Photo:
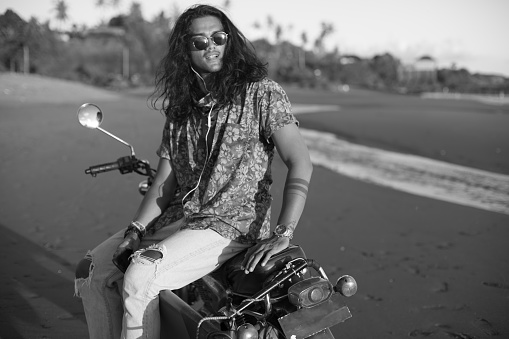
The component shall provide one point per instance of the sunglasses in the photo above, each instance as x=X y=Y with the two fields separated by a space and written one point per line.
x=201 y=42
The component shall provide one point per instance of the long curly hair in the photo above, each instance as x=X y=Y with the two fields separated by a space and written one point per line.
x=174 y=90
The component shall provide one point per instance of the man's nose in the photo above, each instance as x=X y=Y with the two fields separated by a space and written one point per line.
x=210 y=43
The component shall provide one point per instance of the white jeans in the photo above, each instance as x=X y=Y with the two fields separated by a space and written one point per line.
x=118 y=306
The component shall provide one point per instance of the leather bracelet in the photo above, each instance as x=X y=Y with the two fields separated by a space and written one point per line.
x=138 y=225
x=131 y=229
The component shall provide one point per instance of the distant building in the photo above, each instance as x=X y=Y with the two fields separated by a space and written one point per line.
x=425 y=64
x=349 y=59
x=422 y=73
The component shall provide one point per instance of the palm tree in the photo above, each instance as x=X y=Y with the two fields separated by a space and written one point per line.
x=302 y=51
x=105 y=3
x=61 y=12
x=327 y=29
x=270 y=26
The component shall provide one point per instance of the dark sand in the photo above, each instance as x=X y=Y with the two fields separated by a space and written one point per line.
x=425 y=268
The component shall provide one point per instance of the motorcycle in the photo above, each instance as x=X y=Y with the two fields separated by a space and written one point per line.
x=290 y=297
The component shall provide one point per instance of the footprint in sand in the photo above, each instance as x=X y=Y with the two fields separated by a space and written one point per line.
x=457 y=335
x=469 y=233
x=441 y=328
x=445 y=245
x=441 y=287
x=433 y=307
x=496 y=285
x=372 y=297
x=420 y=333
x=414 y=270
x=485 y=326
x=367 y=254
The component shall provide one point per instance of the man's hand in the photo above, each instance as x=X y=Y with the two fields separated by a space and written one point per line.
x=124 y=250
x=262 y=251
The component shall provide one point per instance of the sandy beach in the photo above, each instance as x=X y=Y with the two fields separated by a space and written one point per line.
x=425 y=268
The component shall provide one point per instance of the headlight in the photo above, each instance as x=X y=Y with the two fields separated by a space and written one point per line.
x=310 y=292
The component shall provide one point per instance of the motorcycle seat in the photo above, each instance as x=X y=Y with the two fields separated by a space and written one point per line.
x=249 y=284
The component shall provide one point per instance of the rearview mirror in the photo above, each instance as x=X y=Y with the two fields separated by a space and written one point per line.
x=90 y=116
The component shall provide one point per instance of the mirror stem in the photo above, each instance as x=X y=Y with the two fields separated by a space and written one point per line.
x=118 y=139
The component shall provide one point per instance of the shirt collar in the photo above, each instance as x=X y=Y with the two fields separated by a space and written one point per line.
x=207 y=101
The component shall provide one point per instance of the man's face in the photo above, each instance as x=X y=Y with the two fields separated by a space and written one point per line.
x=210 y=59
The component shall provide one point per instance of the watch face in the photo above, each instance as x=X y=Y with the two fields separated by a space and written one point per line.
x=280 y=229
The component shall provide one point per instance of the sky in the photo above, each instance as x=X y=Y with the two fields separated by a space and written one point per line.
x=467 y=33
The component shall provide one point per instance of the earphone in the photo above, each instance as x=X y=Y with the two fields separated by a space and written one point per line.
x=204 y=83
x=207 y=155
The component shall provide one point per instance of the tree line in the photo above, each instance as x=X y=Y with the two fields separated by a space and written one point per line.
x=125 y=51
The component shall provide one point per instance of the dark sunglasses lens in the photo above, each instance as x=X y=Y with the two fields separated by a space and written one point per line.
x=219 y=38
x=200 y=43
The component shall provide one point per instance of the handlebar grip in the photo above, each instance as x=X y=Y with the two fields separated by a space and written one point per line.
x=94 y=170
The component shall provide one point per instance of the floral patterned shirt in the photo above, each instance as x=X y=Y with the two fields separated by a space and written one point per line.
x=228 y=189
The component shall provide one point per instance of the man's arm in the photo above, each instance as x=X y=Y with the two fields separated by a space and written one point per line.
x=158 y=197
x=153 y=204
x=294 y=153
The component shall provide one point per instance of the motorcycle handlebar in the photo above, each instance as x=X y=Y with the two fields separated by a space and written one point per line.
x=110 y=166
x=124 y=165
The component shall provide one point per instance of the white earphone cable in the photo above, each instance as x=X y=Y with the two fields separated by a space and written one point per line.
x=207 y=155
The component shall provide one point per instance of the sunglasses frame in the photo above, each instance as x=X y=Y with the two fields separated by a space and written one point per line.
x=210 y=38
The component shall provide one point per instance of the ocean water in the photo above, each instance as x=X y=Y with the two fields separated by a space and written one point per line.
x=409 y=173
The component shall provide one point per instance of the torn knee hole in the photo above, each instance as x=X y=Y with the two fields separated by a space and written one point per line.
x=153 y=254
x=83 y=268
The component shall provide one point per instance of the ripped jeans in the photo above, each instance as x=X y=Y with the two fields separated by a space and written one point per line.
x=118 y=306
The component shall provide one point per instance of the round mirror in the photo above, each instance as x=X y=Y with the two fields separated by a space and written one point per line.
x=90 y=116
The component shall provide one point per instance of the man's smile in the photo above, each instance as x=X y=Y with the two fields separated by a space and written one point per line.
x=211 y=56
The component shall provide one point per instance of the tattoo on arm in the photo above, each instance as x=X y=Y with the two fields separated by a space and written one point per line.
x=297 y=181
x=297 y=186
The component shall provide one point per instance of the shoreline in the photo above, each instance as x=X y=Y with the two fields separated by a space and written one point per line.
x=489 y=99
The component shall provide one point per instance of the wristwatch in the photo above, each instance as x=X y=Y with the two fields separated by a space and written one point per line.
x=282 y=230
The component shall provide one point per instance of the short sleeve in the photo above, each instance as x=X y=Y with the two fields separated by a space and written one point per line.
x=276 y=110
x=164 y=149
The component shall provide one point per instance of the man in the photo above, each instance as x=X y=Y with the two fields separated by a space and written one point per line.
x=210 y=198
